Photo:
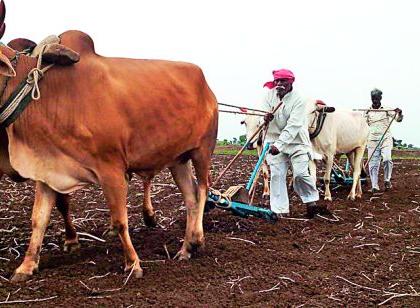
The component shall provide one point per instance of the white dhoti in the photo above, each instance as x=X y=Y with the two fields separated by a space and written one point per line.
x=383 y=152
x=303 y=183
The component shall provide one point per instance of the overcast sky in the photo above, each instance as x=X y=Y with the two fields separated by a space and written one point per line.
x=338 y=50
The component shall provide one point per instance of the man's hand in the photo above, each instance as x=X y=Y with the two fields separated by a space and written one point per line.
x=268 y=117
x=273 y=150
x=398 y=110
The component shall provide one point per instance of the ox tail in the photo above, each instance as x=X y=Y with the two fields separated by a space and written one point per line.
x=363 y=173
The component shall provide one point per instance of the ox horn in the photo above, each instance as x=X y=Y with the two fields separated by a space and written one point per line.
x=2 y=16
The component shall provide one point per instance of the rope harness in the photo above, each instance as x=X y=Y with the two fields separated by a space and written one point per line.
x=26 y=91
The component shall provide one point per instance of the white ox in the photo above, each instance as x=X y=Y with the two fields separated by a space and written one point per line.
x=343 y=132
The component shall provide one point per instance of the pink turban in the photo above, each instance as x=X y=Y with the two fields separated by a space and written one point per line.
x=280 y=74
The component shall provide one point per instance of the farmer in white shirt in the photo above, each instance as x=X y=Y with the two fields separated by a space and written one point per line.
x=288 y=131
x=378 y=125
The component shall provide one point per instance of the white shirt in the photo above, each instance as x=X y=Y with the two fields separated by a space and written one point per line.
x=289 y=128
x=378 y=123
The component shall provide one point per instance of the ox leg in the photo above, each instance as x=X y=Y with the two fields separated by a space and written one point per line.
x=182 y=175
x=265 y=174
x=357 y=168
x=351 y=157
x=329 y=159
x=201 y=161
x=115 y=189
x=45 y=198
x=148 y=211
x=71 y=242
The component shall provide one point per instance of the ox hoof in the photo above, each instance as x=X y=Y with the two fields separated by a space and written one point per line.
x=149 y=220
x=266 y=197
x=110 y=233
x=183 y=255
x=327 y=198
x=137 y=272
x=351 y=198
x=359 y=196
x=71 y=247
x=20 y=277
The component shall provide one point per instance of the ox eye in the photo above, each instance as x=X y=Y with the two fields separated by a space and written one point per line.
x=242 y=122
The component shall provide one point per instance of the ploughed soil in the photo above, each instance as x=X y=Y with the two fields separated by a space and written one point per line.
x=367 y=252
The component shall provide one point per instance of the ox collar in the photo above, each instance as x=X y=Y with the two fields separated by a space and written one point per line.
x=15 y=104
x=319 y=124
x=26 y=91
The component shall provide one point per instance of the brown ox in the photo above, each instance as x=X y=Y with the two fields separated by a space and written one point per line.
x=104 y=118
x=71 y=238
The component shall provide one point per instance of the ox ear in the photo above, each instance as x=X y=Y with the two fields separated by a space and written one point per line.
x=60 y=54
x=6 y=68
x=21 y=44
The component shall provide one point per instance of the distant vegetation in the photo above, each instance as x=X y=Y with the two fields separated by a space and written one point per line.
x=235 y=141
x=398 y=143
x=231 y=147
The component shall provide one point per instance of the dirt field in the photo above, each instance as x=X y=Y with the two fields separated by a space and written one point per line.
x=370 y=253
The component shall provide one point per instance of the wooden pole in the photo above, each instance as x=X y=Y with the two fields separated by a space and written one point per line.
x=375 y=110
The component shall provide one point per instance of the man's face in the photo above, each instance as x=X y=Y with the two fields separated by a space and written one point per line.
x=376 y=101
x=283 y=86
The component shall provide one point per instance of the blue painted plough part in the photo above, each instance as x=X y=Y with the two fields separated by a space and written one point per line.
x=243 y=209
x=257 y=166
x=238 y=208
x=340 y=178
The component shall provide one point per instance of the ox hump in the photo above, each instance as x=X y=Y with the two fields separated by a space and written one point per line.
x=78 y=41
